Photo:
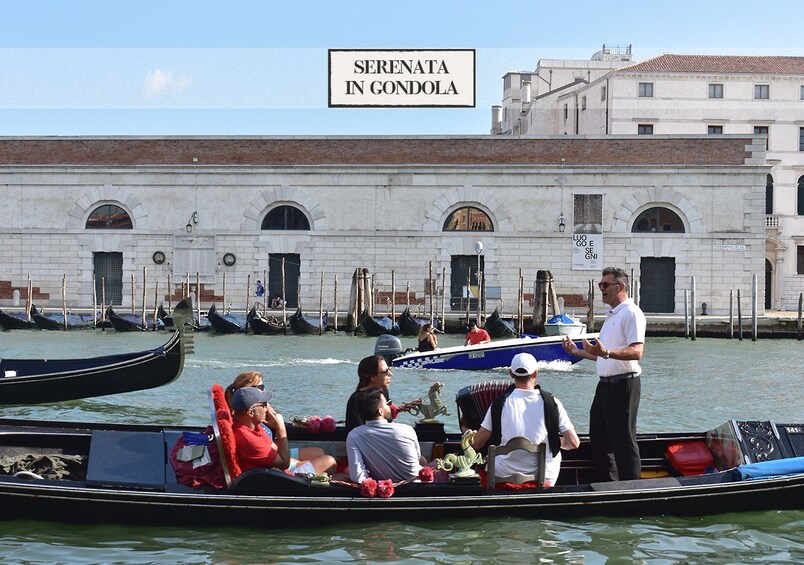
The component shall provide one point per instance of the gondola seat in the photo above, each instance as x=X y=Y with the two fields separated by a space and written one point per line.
x=514 y=444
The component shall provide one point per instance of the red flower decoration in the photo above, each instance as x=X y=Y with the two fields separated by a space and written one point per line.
x=314 y=425
x=385 y=489
x=328 y=424
x=368 y=488
x=426 y=474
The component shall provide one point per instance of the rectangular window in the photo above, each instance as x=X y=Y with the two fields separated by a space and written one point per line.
x=566 y=112
x=801 y=96
x=645 y=89
x=714 y=130
x=603 y=93
x=588 y=213
x=761 y=91
x=801 y=139
x=762 y=130
x=715 y=91
x=800 y=260
x=583 y=102
x=645 y=129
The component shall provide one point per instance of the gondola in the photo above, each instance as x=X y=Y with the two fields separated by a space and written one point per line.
x=226 y=323
x=260 y=325
x=131 y=322
x=498 y=353
x=123 y=473
x=32 y=381
x=163 y=315
x=16 y=321
x=302 y=324
x=410 y=326
x=57 y=321
x=375 y=326
x=499 y=328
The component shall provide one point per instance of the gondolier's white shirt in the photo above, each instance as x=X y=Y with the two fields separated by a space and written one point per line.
x=624 y=325
x=523 y=415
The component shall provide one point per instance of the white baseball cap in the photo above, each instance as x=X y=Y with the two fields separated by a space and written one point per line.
x=523 y=365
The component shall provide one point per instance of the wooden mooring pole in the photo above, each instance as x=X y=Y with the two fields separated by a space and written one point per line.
x=754 y=307
x=692 y=316
x=800 y=305
x=739 y=316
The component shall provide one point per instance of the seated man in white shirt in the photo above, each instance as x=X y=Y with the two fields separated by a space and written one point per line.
x=527 y=411
x=380 y=449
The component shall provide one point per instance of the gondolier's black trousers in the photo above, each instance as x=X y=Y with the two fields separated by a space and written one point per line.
x=612 y=429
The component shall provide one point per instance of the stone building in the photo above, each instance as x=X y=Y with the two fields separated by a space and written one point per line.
x=683 y=95
x=91 y=209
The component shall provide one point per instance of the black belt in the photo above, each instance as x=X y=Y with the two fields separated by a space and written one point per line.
x=618 y=378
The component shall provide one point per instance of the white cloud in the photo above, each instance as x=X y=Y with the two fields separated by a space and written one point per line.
x=159 y=81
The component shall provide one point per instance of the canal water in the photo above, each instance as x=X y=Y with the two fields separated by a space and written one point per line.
x=687 y=386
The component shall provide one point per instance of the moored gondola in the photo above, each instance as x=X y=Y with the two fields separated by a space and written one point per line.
x=226 y=323
x=375 y=326
x=261 y=325
x=302 y=324
x=498 y=327
x=411 y=326
x=16 y=321
x=59 y=322
x=32 y=381
x=131 y=322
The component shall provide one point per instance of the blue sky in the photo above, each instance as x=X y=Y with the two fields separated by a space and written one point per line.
x=260 y=67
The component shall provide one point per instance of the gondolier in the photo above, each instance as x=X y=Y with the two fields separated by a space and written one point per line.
x=617 y=351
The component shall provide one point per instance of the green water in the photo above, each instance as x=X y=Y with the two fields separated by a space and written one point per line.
x=686 y=386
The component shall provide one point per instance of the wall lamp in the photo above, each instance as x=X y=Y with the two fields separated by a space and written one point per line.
x=561 y=224
x=191 y=223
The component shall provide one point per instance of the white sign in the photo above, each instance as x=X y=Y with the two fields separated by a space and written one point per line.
x=402 y=77
x=724 y=247
x=587 y=252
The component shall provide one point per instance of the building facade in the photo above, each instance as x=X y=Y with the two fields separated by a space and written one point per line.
x=684 y=95
x=98 y=215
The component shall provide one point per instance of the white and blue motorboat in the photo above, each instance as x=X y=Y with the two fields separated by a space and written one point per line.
x=483 y=356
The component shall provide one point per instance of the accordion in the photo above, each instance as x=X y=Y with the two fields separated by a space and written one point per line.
x=474 y=400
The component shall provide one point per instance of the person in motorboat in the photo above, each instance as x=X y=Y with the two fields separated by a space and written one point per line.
x=427 y=338
x=255 y=379
x=254 y=449
x=373 y=372
x=380 y=449
x=526 y=410
x=476 y=335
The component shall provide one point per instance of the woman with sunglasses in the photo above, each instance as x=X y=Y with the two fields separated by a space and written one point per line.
x=298 y=456
x=373 y=372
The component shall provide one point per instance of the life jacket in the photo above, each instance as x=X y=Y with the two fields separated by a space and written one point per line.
x=550 y=419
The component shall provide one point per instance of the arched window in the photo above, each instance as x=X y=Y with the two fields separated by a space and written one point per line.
x=468 y=218
x=801 y=196
x=658 y=219
x=109 y=217
x=285 y=218
x=769 y=195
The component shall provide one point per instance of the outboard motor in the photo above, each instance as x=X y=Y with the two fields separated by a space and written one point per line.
x=389 y=347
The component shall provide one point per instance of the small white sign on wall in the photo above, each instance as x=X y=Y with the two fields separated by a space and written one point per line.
x=587 y=252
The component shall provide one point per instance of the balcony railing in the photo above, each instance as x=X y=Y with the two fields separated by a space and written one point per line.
x=771 y=221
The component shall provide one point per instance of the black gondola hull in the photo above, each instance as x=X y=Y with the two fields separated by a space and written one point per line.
x=269 y=498
x=36 y=381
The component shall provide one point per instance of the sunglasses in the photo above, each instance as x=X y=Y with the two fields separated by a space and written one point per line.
x=602 y=285
x=260 y=386
x=385 y=372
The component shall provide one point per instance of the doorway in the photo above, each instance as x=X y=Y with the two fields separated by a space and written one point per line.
x=463 y=268
x=292 y=270
x=658 y=284
x=109 y=274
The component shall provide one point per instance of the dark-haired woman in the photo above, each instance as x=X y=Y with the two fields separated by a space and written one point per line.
x=373 y=372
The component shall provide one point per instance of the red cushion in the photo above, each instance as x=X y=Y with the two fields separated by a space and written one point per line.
x=690 y=457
